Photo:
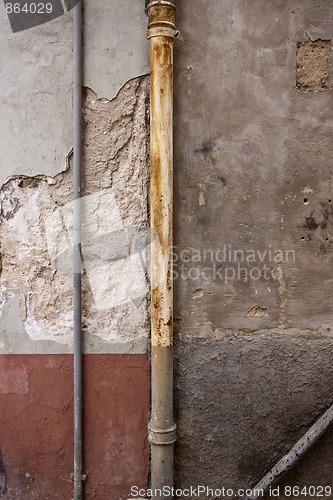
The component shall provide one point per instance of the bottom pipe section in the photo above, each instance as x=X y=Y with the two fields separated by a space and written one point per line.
x=162 y=472
x=162 y=429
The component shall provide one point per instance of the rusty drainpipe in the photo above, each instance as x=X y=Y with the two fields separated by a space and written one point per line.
x=162 y=429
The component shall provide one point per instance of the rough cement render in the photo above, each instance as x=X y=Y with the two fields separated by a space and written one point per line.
x=253 y=173
x=243 y=401
x=36 y=234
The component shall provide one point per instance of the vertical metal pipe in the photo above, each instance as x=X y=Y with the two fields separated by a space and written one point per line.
x=77 y=285
x=162 y=429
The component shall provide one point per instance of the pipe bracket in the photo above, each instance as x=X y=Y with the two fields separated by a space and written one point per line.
x=162 y=436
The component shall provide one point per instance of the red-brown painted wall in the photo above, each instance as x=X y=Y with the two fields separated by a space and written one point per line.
x=36 y=422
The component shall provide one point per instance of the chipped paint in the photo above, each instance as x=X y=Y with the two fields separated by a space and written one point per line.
x=257 y=312
x=308 y=190
x=197 y=294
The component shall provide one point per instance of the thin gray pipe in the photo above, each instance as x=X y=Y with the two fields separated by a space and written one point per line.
x=77 y=282
x=293 y=456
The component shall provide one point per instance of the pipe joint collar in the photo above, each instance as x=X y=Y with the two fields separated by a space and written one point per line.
x=157 y=3
x=162 y=31
x=161 y=19
x=162 y=436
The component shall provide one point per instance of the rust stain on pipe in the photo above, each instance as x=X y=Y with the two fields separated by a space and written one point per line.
x=161 y=17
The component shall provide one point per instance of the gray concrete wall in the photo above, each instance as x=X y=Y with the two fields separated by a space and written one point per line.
x=253 y=236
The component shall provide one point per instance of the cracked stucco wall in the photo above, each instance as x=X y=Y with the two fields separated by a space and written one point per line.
x=36 y=180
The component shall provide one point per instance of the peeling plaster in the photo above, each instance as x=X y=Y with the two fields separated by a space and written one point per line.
x=36 y=233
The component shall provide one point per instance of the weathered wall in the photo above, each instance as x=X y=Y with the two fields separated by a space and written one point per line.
x=36 y=77
x=36 y=235
x=36 y=178
x=36 y=317
x=253 y=231
x=253 y=236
